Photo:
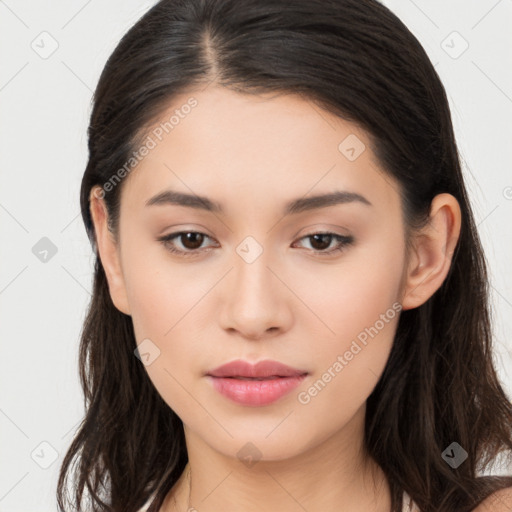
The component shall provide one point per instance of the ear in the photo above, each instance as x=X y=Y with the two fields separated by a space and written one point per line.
x=431 y=258
x=108 y=251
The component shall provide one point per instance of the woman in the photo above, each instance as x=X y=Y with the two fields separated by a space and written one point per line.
x=290 y=305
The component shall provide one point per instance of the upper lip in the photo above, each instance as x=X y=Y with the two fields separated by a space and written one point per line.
x=268 y=368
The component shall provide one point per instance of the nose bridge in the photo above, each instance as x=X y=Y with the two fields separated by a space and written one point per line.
x=252 y=275
x=253 y=279
x=254 y=301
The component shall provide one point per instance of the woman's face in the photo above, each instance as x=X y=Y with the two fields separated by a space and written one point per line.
x=257 y=285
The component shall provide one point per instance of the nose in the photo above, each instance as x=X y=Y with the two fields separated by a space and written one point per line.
x=255 y=302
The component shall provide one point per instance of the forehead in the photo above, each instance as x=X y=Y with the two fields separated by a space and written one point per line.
x=271 y=147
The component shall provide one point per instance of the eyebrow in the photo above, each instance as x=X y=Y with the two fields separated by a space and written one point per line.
x=295 y=206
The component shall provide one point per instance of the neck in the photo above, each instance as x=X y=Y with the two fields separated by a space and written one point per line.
x=335 y=475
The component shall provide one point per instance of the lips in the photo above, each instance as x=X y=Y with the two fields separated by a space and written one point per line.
x=255 y=385
x=262 y=370
x=253 y=393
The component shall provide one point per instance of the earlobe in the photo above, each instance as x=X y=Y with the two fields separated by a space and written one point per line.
x=108 y=251
x=434 y=246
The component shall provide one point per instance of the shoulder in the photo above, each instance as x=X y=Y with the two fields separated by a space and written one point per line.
x=499 y=501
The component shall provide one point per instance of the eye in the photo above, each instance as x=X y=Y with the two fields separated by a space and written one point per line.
x=321 y=241
x=191 y=242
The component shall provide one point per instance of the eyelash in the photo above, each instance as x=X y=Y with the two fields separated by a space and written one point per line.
x=343 y=241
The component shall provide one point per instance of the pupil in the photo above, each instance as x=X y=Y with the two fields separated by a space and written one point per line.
x=319 y=236
x=189 y=237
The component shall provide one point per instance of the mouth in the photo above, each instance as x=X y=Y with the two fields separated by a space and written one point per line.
x=271 y=377
x=256 y=391
x=262 y=370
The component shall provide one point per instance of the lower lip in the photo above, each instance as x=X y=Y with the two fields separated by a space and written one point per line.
x=255 y=392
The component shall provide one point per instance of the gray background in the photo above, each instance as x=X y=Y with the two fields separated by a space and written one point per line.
x=45 y=99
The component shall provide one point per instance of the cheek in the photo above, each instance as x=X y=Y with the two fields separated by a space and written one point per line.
x=162 y=299
x=349 y=363
x=351 y=295
x=357 y=303
x=161 y=293
x=165 y=299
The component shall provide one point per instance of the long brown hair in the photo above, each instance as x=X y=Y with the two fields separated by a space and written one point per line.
x=358 y=60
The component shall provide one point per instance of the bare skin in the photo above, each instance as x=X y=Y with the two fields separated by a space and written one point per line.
x=253 y=154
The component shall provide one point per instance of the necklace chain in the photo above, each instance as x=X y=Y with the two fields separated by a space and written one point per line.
x=189 y=491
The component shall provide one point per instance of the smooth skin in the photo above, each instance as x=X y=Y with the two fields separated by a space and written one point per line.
x=253 y=154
